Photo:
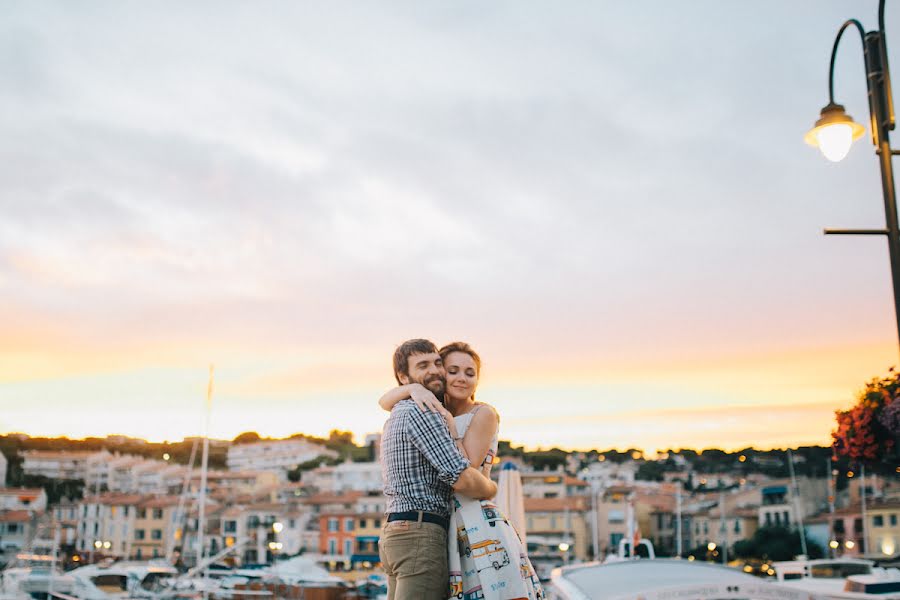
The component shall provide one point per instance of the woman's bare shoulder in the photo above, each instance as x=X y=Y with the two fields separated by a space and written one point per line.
x=486 y=413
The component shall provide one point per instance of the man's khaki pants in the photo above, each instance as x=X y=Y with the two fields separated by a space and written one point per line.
x=414 y=556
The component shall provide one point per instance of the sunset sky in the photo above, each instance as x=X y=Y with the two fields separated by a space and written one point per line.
x=611 y=202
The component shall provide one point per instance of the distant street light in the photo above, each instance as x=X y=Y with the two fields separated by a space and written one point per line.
x=711 y=546
x=277 y=527
x=835 y=131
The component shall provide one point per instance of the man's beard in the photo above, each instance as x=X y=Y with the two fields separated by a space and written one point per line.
x=437 y=385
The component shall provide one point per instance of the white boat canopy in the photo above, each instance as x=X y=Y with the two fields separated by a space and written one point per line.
x=665 y=579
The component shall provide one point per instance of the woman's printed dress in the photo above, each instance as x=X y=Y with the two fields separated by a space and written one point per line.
x=487 y=558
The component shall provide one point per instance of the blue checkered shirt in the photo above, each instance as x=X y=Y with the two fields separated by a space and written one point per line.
x=419 y=461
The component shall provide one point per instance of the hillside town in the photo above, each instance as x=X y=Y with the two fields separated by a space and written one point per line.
x=135 y=507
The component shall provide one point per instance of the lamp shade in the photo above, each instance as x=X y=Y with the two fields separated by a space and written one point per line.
x=834 y=132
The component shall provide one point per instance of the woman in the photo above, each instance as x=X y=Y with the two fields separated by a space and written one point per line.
x=486 y=554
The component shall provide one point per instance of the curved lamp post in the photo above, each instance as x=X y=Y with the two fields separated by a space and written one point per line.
x=835 y=131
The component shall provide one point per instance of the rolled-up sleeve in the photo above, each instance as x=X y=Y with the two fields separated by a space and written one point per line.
x=429 y=434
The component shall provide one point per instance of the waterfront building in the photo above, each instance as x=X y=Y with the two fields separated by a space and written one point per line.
x=709 y=525
x=277 y=456
x=557 y=529
x=16 y=528
x=106 y=524
x=55 y=464
x=27 y=499
x=779 y=502
x=155 y=528
x=346 y=476
x=552 y=484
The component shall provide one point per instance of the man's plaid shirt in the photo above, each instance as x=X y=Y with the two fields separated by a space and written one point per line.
x=419 y=461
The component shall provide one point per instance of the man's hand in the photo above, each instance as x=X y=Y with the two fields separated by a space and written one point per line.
x=475 y=485
x=426 y=400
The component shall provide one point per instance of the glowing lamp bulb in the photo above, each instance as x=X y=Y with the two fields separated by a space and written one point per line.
x=834 y=132
x=834 y=141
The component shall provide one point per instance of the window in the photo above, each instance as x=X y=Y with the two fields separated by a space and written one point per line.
x=787 y=518
x=616 y=516
x=348 y=547
x=332 y=546
x=878 y=520
x=332 y=525
x=139 y=534
x=12 y=528
x=378 y=521
x=737 y=526
x=156 y=534
x=157 y=513
x=142 y=513
x=362 y=523
x=230 y=526
x=893 y=520
x=348 y=524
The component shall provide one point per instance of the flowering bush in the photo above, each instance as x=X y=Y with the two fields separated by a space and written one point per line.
x=870 y=430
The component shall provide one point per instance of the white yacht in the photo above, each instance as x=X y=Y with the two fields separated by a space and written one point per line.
x=33 y=577
x=840 y=578
x=664 y=579
x=120 y=580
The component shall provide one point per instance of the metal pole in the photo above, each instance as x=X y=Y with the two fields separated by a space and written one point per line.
x=595 y=534
x=678 y=548
x=201 y=523
x=723 y=529
x=795 y=497
x=862 y=500
x=881 y=114
x=878 y=74
x=831 y=492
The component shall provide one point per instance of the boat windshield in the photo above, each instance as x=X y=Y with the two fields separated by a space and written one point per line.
x=838 y=570
x=111 y=583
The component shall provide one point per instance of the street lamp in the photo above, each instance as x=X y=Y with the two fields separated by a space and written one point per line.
x=835 y=131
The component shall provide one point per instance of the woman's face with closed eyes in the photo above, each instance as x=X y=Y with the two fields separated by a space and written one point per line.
x=462 y=375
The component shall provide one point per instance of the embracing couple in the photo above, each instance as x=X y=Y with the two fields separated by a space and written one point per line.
x=443 y=538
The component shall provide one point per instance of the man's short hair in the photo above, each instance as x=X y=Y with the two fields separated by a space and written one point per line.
x=407 y=349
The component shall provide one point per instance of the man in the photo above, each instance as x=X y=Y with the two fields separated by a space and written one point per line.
x=421 y=467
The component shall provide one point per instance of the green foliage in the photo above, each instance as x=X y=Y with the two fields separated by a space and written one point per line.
x=776 y=543
x=56 y=489
x=296 y=473
x=651 y=471
x=248 y=437
x=547 y=459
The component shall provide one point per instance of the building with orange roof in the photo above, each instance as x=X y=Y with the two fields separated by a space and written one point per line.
x=34 y=499
x=156 y=530
x=557 y=529
x=552 y=484
x=16 y=528
x=846 y=527
x=106 y=523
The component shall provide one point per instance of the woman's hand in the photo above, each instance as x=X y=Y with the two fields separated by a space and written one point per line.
x=424 y=399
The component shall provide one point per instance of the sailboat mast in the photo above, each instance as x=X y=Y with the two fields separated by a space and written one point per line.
x=201 y=523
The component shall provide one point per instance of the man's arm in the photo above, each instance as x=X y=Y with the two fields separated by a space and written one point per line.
x=428 y=432
x=473 y=484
